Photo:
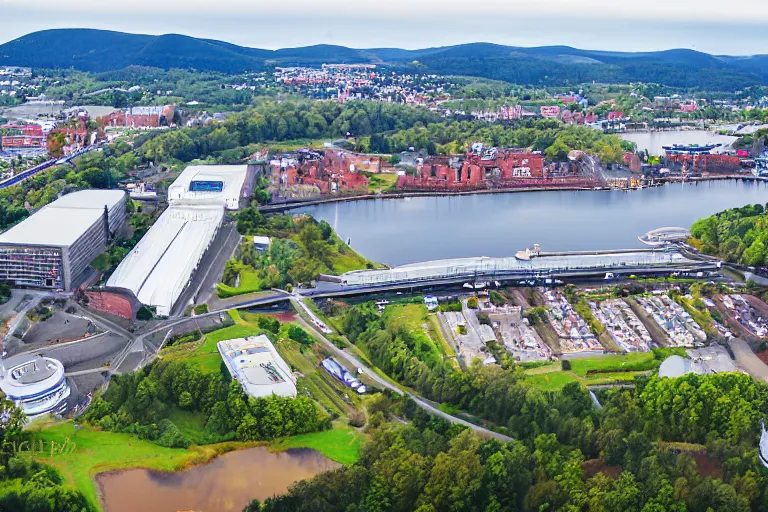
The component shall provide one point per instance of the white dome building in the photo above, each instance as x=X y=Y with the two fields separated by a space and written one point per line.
x=36 y=384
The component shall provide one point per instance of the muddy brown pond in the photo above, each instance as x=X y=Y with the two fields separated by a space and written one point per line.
x=226 y=484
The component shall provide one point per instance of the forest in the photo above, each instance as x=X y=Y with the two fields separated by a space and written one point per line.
x=377 y=127
x=626 y=459
x=738 y=235
x=140 y=403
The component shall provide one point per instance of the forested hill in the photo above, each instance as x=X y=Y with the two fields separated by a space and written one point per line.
x=101 y=50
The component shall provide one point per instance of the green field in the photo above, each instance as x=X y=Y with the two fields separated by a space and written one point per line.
x=340 y=444
x=249 y=283
x=205 y=354
x=599 y=370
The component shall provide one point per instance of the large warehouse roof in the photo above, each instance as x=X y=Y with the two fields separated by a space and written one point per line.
x=158 y=269
x=62 y=222
x=219 y=183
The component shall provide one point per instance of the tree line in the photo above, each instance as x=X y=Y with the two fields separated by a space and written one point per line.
x=141 y=402
x=431 y=466
x=737 y=235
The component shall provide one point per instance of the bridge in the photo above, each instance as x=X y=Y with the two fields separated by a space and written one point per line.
x=541 y=267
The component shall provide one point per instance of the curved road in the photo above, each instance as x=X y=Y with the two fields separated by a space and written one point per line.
x=355 y=362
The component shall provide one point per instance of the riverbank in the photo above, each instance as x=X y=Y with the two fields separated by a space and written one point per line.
x=403 y=195
x=81 y=453
x=284 y=207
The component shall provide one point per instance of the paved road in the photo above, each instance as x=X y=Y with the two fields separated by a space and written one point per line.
x=356 y=363
x=102 y=369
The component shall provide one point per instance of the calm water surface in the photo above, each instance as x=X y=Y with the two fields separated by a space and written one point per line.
x=227 y=484
x=399 y=231
x=653 y=141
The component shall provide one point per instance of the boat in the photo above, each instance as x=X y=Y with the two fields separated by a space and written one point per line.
x=690 y=149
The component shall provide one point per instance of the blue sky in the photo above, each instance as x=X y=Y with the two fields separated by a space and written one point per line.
x=626 y=25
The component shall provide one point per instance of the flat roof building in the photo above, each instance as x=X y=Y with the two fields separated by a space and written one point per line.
x=220 y=184
x=54 y=246
x=36 y=384
x=161 y=265
x=257 y=366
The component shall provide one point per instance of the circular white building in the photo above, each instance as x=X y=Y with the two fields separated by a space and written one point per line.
x=36 y=384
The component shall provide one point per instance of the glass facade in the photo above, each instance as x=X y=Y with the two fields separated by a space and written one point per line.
x=32 y=266
x=206 y=186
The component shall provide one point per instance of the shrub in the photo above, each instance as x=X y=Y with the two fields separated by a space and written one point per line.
x=472 y=303
x=565 y=365
x=296 y=333
x=269 y=323
x=144 y=314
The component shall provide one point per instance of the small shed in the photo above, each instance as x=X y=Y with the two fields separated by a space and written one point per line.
x=261 y=243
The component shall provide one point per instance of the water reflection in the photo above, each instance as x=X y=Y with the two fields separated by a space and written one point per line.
x=226 y=484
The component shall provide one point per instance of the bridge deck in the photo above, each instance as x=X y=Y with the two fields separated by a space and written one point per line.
x=484 y=267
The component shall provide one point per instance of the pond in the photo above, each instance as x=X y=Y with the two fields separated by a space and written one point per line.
x=227 y=484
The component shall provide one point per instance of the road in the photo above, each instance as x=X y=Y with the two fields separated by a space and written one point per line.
x=356 y=363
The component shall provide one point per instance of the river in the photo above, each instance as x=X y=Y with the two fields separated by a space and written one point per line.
x=653 y=141
x=227 y=484
x=399 y=231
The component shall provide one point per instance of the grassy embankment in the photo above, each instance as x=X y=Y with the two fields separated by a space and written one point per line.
x=600 y=370
x=425 y=329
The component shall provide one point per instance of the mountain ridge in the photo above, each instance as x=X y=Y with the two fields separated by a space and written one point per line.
x=97 y=50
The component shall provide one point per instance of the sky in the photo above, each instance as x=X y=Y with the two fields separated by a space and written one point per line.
x=712 y=26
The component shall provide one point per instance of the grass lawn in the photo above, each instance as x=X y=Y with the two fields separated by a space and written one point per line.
x=382 y=181
x=205 y=354
x=249 y=283
x=342 y=444
x=552 y=381
x=599 y=370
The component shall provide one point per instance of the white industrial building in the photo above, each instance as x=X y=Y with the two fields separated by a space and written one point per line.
x=54 y=247
x=163 y=263
x=219 y=184
x=35 y=384
x=257 y=366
